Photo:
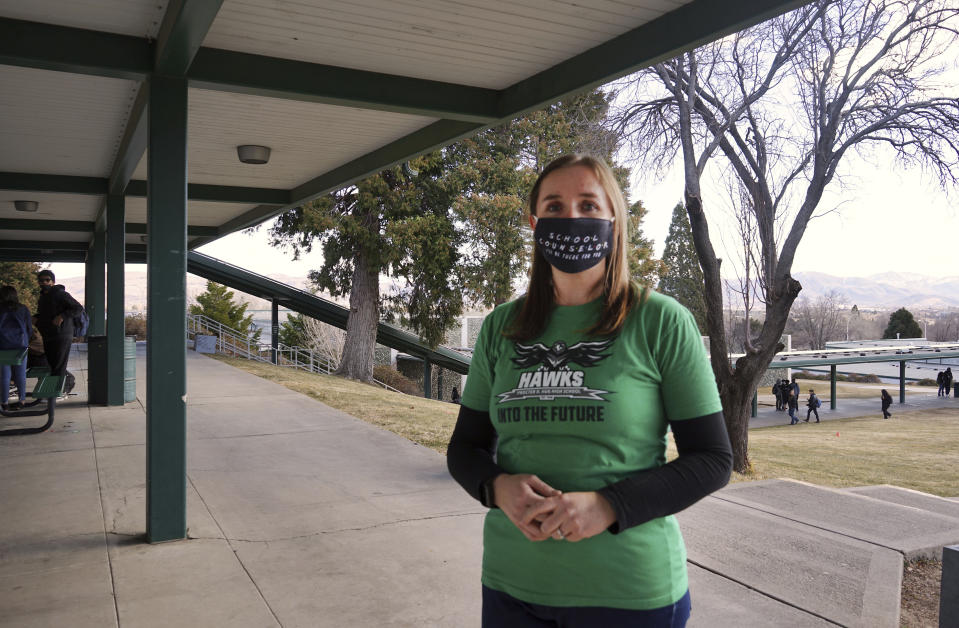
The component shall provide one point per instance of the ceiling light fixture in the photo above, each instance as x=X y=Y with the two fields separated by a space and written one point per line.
x=25 y=206
x=253 y=154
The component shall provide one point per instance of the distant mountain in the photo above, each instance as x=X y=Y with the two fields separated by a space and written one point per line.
x=885 y=290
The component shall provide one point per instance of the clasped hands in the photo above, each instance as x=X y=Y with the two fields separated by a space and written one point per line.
x=541 y=511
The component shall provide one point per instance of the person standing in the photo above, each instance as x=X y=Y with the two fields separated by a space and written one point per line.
x=795 y=387
x=15 y=329
x=793 y=403
x=56 y=310
x=812 y=405
x=947 y=380
x=941 y=380
x=778 y=395
x=563 y=422
x=886 y=402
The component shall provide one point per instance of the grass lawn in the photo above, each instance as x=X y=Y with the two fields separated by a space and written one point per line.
x=915 y=450
x=422 y=421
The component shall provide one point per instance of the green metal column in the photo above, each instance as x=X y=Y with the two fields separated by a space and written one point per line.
x=427 y=379
x=116 y=311
x=755 y=405
x=166 y=309
x=902 y=381
x=275 y=330
x=832 y=386
x=94 y=299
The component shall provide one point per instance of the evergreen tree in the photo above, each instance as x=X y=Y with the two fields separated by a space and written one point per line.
x=293 y=331
x=683 y=278
x=217 y=303
x=394 y=223
x=23 y=277
x=643 y=267
x=902 y=322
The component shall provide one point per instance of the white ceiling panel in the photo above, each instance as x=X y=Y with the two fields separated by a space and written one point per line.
x=306 y=139
x=51 y=206
x=492 y=44
x=201 y=213
x=141 y=18
x=59 y=123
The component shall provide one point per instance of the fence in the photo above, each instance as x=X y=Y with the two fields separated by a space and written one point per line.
x=235 y=343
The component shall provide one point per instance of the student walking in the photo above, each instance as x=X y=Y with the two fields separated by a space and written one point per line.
x=812 y=404
x=886 y=402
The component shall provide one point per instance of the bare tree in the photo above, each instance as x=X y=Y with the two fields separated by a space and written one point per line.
x=325 y=340
x=821 y=320
x=946 y=327
x=782 y=104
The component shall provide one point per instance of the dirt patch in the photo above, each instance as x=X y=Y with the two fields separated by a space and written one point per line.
x=920 y=594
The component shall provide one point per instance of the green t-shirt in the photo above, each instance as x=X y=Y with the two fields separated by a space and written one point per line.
x=582 y=413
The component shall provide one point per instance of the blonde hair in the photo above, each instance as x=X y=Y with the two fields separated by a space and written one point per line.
x=620 y=294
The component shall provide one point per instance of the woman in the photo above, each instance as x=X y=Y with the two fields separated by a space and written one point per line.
x=15 y=328
x=573 y=386
x=886 y=402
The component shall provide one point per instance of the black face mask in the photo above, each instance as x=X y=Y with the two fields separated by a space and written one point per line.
x=572 y=245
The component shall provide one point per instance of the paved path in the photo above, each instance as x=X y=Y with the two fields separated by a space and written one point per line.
x=848 y=408
x=300 y=515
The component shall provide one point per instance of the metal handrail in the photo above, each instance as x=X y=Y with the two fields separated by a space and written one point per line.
x=235 y=343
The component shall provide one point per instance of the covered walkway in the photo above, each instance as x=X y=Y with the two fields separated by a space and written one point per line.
x=300 y=515
x=297 y=515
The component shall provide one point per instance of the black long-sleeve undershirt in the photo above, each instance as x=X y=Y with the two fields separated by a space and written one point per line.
x=469 y=456
x=703 y=466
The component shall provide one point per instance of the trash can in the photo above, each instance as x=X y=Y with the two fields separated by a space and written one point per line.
x=129 y=369
x=97 y=369
x=203 y=343
x=955 y=390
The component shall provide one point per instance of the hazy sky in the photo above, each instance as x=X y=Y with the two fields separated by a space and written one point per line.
x=885 y=220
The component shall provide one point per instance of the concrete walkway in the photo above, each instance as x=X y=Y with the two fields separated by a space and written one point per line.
x=922 y=399
x=300 y=515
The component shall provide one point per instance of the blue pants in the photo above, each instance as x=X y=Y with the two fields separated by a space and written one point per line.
x=792 y=415
x=19 y=376
x=505 y=611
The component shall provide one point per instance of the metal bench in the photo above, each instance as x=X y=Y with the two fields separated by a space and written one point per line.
x=48 y=388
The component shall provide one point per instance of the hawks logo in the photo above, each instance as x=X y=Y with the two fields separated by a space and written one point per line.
x=554 y=378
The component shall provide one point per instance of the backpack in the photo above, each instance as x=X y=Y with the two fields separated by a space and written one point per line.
x=818 y=402
x=81 y=323
x=13 y=335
